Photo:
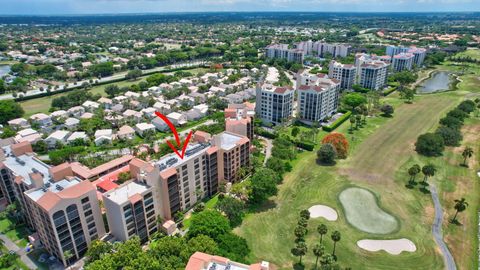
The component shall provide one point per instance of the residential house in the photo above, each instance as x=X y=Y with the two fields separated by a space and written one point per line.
x=143 y=128
x=126 y=133
x=59 y=136
x=71 y=123
x=78 y=135
x=18 y=123
x=41 y=119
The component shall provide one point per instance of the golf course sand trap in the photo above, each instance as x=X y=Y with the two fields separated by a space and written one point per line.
x=393 y=247
x=363 y=212
x=324 y=211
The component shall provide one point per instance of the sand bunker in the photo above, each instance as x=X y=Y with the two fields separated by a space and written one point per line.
x=363 y=212
x=323 y=211
x=393 y=247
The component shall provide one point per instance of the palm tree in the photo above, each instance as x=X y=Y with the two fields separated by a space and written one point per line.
x=336 y=236
x=300 y=232
x=300 y=250
x=318 y=251
x=358 y=121
x=322 y=230
x=352 y=122
x=428 y=171
x=303 y=222
x=413 y=171
x=327 y=260
x=305 y=214
x=467 y=153
x=460 y=206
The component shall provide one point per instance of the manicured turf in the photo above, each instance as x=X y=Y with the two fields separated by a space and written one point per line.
x=380 y=155
x=362 y=212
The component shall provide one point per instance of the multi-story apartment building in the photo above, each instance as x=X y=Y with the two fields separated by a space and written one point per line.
x=239 y=119
x=317 y=98
x=345 y=73
x=233 y=154
x=203 y=261
x=281 y=51
x=418 y=53
x=181 y=183
x=67 y=217
x=373 y=74
x=274 y=104
x=131 y=211
x=402 y=61
x=321 y=49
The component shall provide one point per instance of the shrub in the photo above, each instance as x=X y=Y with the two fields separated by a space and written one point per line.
x=430 y=144
x=457 y=113
x=337 y=123
x=305 y=145
x=467 y=106
x=338 y=141
x=327 y=154
x=451 y=122
x=387 y=110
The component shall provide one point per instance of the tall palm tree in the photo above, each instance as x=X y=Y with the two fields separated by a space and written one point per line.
x=413 y=171
x=300 y=232
x=352 y=122
x=318 y=251
x=460 y=206
x=300 y=250
x=428 y=171
x=322 y=230
x=336 y=236
x=467 y=153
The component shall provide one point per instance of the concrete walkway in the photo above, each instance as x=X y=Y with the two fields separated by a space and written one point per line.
x=437 y=231
x=20 y=251
x=268 y=149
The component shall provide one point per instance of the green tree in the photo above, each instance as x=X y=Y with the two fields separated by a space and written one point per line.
x=9 y=110
x=428 y=171
x=305 y=214
x=322 y=230
x=460 y=206
x=295 y=131
x=387 y=110
x=430 y=145
x=318 y=251
x=354 y=100
x=3 y=87
x=97 y=250
x=451 y=136
x=300 y=250
x=327 y=154
x=336 y=236
x=210 y=223
x=466 y=154
x=133 y=74
x=413 y=172
x=264 y=184
x=232 y=208
x=233 y=247
x=300 y=232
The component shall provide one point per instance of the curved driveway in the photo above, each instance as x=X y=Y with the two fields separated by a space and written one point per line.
x=437 y=231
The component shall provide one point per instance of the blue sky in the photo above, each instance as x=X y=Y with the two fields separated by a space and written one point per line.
x=27 y=7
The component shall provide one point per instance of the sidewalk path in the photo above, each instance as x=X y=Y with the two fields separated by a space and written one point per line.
x=20 y=251
x=437 y=231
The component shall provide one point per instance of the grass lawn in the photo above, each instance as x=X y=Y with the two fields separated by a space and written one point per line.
x=380 y=154
x=18 y=262
x=18 y=235
x=471 y=52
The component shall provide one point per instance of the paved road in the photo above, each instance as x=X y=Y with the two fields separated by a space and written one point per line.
x=437 y=231
x=20 y=251
x=114 y=77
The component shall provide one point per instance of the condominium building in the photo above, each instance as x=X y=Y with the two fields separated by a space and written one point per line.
x=233 y=154
x=131 y=211
x=322 y=49
x=203 y=261
x=281 y=51
x=345 y=73
x=402 y=61
x=418 y=53
x=318 y=99
x=373 y=75
x=239 y=119
x=180 y=183
x=67 y=217
x=274 y=105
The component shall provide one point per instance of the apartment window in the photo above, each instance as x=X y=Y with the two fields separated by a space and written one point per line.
x=85 y=200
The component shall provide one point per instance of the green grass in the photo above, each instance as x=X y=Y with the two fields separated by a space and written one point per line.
x=380 y=154
x=18 y=234
x=362 y=211
x=473 y=53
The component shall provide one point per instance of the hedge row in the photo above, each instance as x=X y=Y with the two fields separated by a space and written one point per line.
x=304 y=145
x=262 y=132
x=337 y=123
x=389 y=91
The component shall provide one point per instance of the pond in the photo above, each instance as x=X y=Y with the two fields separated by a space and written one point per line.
x=439 y=81
x=4 y=70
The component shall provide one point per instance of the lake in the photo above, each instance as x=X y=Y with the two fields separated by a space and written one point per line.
x=4 y=70
x=439 y=81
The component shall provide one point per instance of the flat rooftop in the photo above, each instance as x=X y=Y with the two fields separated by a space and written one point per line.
x=123 y=193
x=25 y=165
x=231 y=266
x=172 y=160
x=54 y=187
x=227 y=141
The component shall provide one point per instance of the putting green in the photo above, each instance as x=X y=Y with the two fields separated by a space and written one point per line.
x=362 y=212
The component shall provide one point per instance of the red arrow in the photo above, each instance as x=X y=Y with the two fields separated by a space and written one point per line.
x=175 y=134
